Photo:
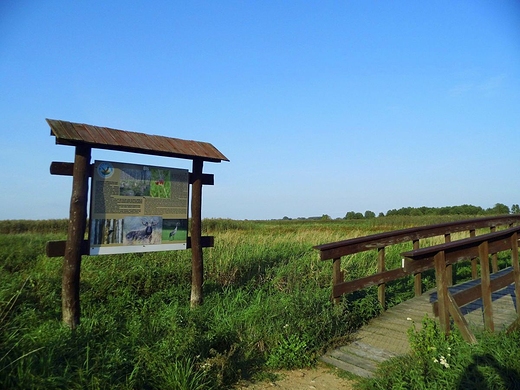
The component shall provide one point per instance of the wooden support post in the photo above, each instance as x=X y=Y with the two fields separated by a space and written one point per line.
x=485 y=282
x=516 y=269
x=197 y=265
x=417 y=279
x=337 y=276
x=494 y=256
x=381 y=268
x=474 y=273
x=442 y=291
x=70 y=303
x=449 y=268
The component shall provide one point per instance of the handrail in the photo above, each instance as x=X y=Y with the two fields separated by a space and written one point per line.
x=336 y=250
x=359 y=244
x=420 y=260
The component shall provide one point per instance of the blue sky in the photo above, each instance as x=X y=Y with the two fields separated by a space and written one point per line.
x=322 y=107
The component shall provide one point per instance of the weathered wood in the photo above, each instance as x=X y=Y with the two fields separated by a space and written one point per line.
x=460 y=321
x=485 y=283
x=422 y=259
x=474 y=273
x=342 y=248
x=197 y=265
x=81 y=134
x=368 y=281
x=449 y=267
x=417 y=278
x=442 y=291
x=337 y=277
x=381 y=269
x=494 y=256
x=498 y=281
x=70 y=302
x=516 y=269
x=66 y=169
x=378 y=337
x=57 y=248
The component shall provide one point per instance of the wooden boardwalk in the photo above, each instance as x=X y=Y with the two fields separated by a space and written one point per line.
x=386 y=335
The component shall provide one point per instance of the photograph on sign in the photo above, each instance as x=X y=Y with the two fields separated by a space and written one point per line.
x=138 y=208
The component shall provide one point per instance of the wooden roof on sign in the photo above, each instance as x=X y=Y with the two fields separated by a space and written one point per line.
x=68 y=133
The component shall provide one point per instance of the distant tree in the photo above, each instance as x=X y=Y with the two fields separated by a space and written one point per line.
x=499 y=208
x=369 y=214
x=353 y=215
x=515 y=209
x=286 y=218
x=325 y=217
x=381 y=214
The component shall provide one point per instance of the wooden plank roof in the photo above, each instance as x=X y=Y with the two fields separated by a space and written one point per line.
x=69 y=133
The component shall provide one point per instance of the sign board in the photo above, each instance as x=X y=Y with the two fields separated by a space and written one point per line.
x=137 y=208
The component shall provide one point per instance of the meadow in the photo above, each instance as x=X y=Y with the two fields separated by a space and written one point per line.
x=266 y=306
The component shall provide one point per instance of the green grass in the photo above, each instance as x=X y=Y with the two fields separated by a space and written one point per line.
x=266 y=306
x=439 y=362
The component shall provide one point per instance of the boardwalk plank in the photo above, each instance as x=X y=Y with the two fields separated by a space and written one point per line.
x=347 y=367
x=386 y=336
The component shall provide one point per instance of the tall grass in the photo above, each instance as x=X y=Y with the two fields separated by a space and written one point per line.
x=267 y=305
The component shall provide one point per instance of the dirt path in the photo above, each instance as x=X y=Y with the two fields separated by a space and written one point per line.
x=321 y=377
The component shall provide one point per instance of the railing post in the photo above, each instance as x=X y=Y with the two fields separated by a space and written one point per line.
x=485 y=282
x=381 y=268
x=516 y=269
x=494 y=256
x=442 y=291
x=417 y=278
x=474 y=273
x=449 y=268
x=337 y=277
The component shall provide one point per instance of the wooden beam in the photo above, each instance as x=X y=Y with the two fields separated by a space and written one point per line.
x=516 y=269
x=380 y=269
x=359 y=244
x=449 y=267
x=66 y=169
x=368 y=281
x=494 y=255
x=474 y=273
x=470 y=294
x=337 y=278
x=197 y=265
x=70 y=302
x=442 y=291
x=485 y=284
x=460 y=321
x=57 y=248
x=417 y=278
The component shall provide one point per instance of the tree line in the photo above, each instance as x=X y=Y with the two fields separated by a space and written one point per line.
x=465 y=209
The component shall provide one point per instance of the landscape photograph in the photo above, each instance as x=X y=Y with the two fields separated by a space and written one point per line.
x=260 y=195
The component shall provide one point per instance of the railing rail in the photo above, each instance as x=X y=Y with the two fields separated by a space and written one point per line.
x=336 y=250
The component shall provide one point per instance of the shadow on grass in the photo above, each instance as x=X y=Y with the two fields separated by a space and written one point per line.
x=486 y=366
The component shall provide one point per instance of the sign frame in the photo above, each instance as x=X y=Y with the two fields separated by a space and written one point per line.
x=136 y=208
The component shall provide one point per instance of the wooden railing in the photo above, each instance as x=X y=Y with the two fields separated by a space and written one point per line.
x=441 y=256
x=335 y=251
